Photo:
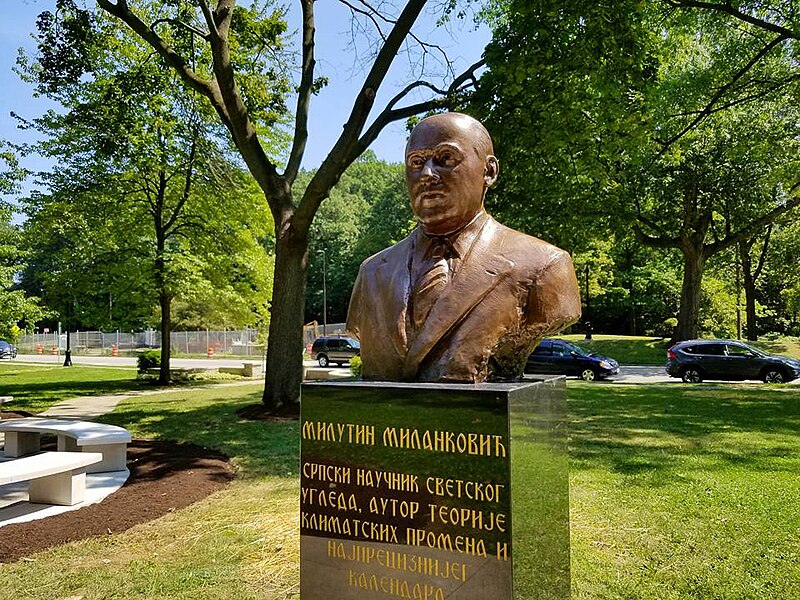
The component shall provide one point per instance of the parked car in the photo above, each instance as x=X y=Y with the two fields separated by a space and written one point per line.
x=559 y=357
x=7 y=350
x=337 y=350
x=696 y=360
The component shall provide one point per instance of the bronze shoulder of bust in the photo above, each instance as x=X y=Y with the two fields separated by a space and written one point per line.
x=474 y=304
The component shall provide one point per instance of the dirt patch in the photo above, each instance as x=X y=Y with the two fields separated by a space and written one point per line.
x=15 y=414
x=165 y=476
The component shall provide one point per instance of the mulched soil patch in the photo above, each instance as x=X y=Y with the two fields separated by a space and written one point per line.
x=15 y=414
x=165 y=476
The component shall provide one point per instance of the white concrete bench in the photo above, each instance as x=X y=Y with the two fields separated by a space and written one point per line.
x=23 y=437
x=56 y=477
x=5 y=399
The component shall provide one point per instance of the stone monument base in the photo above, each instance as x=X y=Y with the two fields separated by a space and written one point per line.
x=434 y=491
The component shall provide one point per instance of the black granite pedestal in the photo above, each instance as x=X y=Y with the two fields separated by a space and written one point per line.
x=434 y=491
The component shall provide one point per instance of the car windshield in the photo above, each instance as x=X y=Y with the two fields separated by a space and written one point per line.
x=353 y=343
x=577 y=349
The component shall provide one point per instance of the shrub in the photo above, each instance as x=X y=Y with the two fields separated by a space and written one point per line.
x=150 y=359
x=355 y=367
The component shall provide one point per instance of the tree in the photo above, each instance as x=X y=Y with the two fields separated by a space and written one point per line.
x=645 y=113
x=132 y=147
x=563 y=98
x=367 y=211
x=722 y=164
x=234 y=36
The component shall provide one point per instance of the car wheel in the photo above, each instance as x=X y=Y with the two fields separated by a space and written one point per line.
x=774 y=376
x=588 y=375
x=691 y=375
x=323 y=360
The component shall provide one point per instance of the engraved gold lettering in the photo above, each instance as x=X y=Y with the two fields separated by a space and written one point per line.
x=458 y=488
x=474 y=444
x=350 y=433
x=502 y=551
x=446 y=541
x=467 y=517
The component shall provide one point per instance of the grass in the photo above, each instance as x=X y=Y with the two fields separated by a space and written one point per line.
x=36 y=388
x=240 y=543
x=685 y=492
x=625 y=349
x=790 y=346
x=677 y=491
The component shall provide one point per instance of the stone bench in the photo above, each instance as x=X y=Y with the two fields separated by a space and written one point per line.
x=5 y=399
x=23 y=437
x=55 y=477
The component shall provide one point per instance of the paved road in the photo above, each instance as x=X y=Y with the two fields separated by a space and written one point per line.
x=651 y=374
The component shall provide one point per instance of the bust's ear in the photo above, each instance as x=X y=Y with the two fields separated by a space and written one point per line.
x=491 y=170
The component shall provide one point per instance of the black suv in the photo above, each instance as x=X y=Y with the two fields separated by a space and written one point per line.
x=559 y=357
x=327 y=350
x=696 y=360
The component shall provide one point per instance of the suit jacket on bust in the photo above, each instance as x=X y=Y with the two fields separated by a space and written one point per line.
x=510 y=290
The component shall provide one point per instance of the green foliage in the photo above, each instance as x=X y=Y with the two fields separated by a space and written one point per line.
x=144 y=203
x=367 y=211
x=563 y=98
x=151 y=359
x=18 y=311
x=355 y=367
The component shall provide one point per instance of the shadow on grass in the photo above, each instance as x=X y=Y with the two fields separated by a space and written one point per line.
x=258 y=448
x=58 y=390
x=651 y=432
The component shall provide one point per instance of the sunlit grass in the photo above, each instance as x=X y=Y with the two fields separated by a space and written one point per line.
x=36 y=388
x=676 y=492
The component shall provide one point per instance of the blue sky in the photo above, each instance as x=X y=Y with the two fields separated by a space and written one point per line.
x=328 y=111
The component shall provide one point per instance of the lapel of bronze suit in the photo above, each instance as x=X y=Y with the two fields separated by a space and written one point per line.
x=482 y=269
x=390 y=313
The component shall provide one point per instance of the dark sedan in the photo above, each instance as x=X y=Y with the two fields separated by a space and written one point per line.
x=559 y=357
x=7 y=350
x=696 y=360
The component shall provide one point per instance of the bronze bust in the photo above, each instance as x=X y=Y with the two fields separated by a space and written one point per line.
x=462 y=298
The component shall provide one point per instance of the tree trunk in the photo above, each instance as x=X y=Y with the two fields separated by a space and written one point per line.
x=688 y=317
x=165 y=302
x=285 y=346
x=749 y=283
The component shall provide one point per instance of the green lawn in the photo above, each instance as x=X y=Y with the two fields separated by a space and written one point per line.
x=677 y=491
x=625 y=349
x=36 y=388
x=685 y=491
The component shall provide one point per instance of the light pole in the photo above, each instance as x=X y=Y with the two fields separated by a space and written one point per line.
x=68 y=349
x=587 y=320
x=324 y=292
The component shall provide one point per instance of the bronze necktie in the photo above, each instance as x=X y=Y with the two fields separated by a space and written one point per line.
x=432 y=281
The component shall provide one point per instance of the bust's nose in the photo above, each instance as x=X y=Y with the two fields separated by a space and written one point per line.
x=429 y=170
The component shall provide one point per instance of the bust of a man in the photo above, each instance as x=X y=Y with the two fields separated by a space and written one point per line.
x=462 y=298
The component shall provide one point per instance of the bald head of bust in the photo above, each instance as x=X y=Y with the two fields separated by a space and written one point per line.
x=449 y=166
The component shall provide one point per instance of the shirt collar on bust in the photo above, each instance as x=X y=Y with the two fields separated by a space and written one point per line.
x=459 y=240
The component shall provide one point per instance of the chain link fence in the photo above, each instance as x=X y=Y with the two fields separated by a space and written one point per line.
x=240 y=342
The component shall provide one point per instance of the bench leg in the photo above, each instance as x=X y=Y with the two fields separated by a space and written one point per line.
x=20 y=443
x=63 y=489
x=67 y=444
x=115 y=458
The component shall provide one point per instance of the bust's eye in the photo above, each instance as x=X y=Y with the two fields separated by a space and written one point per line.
x=415 y=162
x=447 y=158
